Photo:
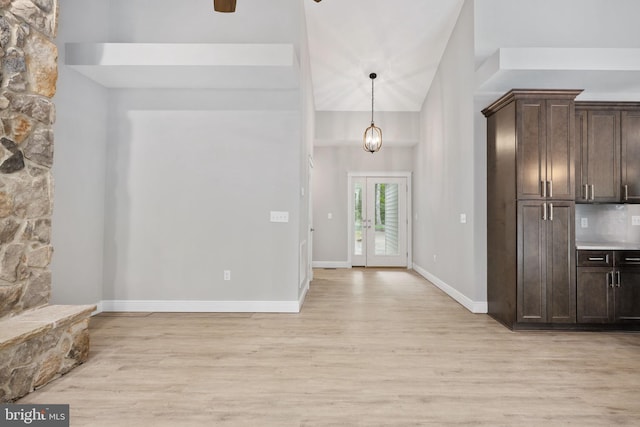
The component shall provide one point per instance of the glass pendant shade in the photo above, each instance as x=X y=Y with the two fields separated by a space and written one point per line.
x=372 y=139
x=373 y=134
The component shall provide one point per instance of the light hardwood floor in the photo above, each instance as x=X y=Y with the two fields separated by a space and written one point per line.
x=370 y=347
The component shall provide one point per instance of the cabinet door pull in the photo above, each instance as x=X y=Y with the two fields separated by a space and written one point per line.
x=593 y=258
x=550 y=211
x=544 y=211
x=551 y=188
x=593 y=192
x=629 y=259
x=617 y=279
x=626 y=192
x=543 y=184
x=585 y=194
x=610 y=279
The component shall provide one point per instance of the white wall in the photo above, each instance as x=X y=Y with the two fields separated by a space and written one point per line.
x=553 y=23
x=194 y=21
x=79 y=163
x=176 y=186
x=330 y=192
x=307 y=115
x=189 y=196
x=448 y=176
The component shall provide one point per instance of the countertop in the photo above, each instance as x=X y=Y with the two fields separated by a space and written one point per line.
x=612 y=246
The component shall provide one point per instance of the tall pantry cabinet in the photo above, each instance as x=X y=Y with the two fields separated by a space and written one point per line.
x=531 y=207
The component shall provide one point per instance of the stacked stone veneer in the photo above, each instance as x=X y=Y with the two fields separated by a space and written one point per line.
x=31 y=352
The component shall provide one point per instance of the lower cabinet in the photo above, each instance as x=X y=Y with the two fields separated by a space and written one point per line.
x=608 y=287
x=546 y=263
x=594 y=295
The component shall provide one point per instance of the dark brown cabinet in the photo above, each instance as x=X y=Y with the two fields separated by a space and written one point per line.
x=630 y=158
x=598 y=160
x=608 y=287
x=608 y=152
x=544 y=131
x=546 y=266
x=531 y=208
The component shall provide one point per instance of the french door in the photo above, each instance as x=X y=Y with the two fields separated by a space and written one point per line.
x=379 y=222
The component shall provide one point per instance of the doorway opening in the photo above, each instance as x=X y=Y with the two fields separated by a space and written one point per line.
x=379 y=226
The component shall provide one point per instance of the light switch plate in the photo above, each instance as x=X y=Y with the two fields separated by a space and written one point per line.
x=584 y=222
x=463 y=218
x=278 y=216
x=635 y=220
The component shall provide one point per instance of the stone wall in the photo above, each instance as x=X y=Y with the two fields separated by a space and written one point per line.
x=28 y=59
x=40 y=345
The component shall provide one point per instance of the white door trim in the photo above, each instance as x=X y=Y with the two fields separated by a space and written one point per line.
x=405 y=174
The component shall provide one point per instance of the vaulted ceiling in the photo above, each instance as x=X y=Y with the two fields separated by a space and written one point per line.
x=400 y=40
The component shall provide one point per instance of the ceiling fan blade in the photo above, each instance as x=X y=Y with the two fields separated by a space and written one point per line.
x=225 y=6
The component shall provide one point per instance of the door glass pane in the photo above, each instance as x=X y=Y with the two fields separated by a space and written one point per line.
x=357 y=218
x=386 y=219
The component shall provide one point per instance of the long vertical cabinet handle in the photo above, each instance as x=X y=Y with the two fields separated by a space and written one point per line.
x=544 y=211
x=543 y=185
x=626 y=192
x=610 y=279
x=550 y=211
x=593 y=192
x=617 y=279
x=551 y=188
x=586 y=192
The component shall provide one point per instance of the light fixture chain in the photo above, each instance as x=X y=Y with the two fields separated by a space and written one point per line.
x=372 y=101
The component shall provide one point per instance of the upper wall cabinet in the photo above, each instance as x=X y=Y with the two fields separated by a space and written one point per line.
x=630 y=159
x=545 y=135
x=598 y=145
x=608 y=158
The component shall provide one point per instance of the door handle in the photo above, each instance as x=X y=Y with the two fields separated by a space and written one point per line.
x=551 y=188
x=618 y=279
x=585 y=194
x=544 y=211
x=626 y=192
x=550 y=211
x=543 y=184
x=610 y=279
x=594 y=258
x=593 y=192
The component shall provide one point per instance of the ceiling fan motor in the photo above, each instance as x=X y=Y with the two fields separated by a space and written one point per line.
x=229 y=6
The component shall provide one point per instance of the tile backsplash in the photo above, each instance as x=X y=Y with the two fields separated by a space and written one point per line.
x=607 y=223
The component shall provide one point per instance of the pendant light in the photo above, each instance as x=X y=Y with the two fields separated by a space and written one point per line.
x=373 y=134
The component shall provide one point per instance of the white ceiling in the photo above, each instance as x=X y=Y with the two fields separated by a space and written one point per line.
x=400 y=40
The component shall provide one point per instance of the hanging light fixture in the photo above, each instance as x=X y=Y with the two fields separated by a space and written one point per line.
x=373 y=134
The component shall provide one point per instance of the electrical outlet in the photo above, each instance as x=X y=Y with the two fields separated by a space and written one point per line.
x=584 y=222
x=279 y=216
x=227 y=275
x=635 y=220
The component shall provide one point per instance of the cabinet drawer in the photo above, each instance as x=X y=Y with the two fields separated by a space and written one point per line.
x=588 y=258
x=628 y=258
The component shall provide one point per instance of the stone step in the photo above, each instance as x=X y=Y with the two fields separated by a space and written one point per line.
x=39 y=345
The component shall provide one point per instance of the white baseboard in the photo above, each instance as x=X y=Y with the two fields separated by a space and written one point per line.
x=98 y=309
x=303 y=295
x=465 y=301
x=185 y=306
x=330 y=264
